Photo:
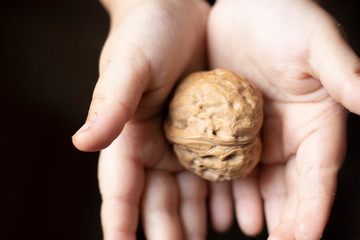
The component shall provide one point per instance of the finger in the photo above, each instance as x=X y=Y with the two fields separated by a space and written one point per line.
x=221 y=206
x=285 y=228
x=193 y=191
x=121 y=184
x=248 y=204
x=319 y=158
x=133 y=56
x=160 y=207
x=337 y=66
x=273 y=191
x=290 y=204
x=283 y=231
x=115 y=98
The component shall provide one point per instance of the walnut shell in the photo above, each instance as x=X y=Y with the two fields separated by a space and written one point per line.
x=213 y=123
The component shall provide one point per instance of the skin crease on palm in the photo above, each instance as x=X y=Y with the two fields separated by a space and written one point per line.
x=292 y=50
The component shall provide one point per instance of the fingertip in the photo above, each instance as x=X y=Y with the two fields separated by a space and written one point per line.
x=274 y=238
x=349 y=97
x=337 y=66
x=311 y=219
x=221 y=207
x=344 y=87
x=252 y=225
x=283 y=231
x=97 y=134
x=222 y=226
x=79 y=138
x=305 y=231
x=248 y=204
x=85 y=142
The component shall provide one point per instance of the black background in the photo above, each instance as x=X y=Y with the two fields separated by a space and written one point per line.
x=48 y=69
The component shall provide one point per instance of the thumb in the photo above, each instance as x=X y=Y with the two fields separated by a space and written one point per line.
x=117 y=94
x=337 y=66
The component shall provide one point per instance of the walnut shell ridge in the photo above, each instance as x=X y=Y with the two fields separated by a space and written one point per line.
x=213 y=122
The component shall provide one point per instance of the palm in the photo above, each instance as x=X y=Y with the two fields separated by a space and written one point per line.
x=272 y=45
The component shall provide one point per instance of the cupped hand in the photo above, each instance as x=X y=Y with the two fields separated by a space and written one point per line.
x=151 y=44
x=295 y=53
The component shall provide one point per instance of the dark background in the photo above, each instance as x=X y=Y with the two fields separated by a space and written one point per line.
x=49 y=56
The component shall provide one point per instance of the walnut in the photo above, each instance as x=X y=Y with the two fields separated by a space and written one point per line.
x=214 y=122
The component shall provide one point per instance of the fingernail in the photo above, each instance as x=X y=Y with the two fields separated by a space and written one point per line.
x=84 y=128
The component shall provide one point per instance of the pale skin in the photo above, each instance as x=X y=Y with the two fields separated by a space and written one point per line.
x=292 y=50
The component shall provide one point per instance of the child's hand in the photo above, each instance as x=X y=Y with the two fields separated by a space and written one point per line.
x=295 y=53
x=150 y=45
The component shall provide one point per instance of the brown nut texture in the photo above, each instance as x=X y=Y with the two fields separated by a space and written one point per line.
x=214 y=122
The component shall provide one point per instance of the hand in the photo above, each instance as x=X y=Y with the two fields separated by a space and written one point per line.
x=295 y=53
x=150 y=46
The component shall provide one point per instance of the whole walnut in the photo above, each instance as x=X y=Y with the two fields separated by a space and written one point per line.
x=214 y=122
